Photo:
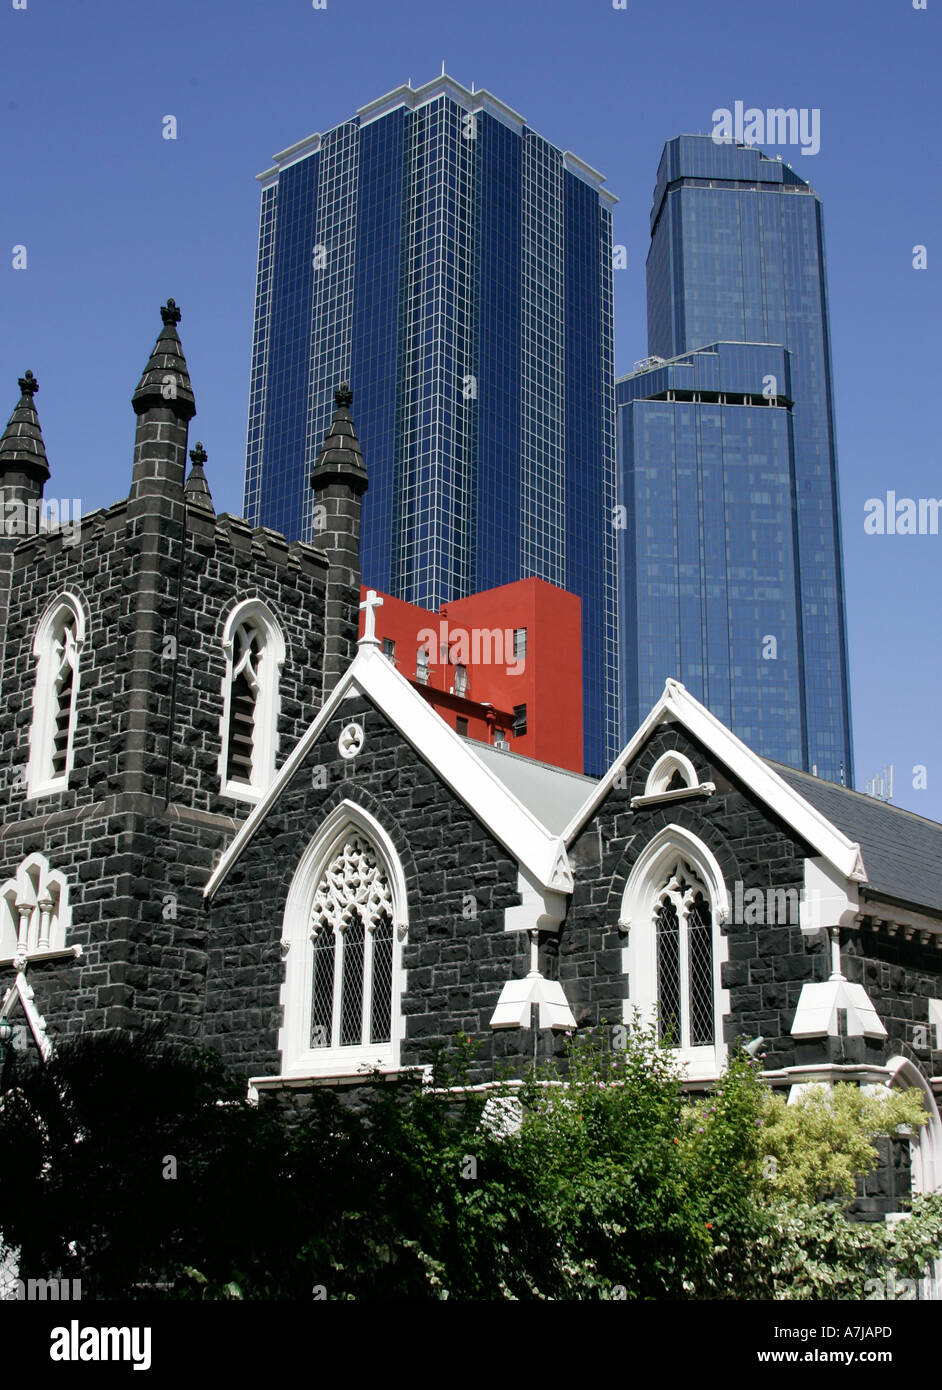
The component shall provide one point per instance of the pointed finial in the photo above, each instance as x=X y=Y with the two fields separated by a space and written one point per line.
x=196 y=489
x=28 y=384
x=340 y=458
x=170 y=313
x=443 y=67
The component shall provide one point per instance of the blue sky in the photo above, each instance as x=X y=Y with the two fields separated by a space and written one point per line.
x=115 y=219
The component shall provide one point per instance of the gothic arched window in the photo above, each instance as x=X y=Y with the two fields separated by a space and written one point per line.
x=685 y=988
x=255 y=654
x=352 y=939
x=674 y=903
x=57 y=647
x=344 y=923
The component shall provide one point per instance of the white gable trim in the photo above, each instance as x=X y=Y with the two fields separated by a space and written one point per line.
x=676 y=703
x=537 y=851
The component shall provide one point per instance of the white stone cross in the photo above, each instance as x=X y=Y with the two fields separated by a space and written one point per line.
x=370 y=603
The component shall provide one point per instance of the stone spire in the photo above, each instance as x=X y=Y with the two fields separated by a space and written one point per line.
x=24 y=468
x=197 y=491
x=164 y=405
x=341 y=459
x=340 y=480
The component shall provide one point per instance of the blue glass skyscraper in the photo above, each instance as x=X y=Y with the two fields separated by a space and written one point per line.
x=727 y=460
x=456 y=269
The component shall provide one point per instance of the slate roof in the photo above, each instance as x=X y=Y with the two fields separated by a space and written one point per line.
x=552 y=794
x=902 y=852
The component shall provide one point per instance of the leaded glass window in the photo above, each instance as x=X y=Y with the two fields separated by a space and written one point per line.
x=352 y=935
x=684 y=932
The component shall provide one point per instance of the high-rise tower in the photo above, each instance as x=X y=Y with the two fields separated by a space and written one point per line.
x=456 y=269
x=750 y=546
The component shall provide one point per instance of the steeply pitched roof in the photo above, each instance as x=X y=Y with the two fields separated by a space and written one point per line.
x=754 y=772
x=553 y=794
x=902 y=851
x=538 y=851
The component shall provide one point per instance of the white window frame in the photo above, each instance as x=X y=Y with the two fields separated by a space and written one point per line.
x=299 y=1059
x=34 y=912
x=664 y=769
x=267 y=704
x=640 y=901
x=39 y=774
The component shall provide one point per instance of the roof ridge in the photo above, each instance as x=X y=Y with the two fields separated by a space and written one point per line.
x=853 y=791
x=531 y=762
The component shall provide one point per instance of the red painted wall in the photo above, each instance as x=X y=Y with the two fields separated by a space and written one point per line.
x=479 y=632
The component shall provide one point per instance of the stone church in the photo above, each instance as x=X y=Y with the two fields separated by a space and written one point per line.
x=224 y=812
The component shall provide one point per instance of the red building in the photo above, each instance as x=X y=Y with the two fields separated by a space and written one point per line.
x=503 y=666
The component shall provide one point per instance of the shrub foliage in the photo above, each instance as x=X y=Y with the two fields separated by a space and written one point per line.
x=141 y=1168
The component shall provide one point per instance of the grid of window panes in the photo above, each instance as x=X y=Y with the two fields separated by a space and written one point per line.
x=611 y=625
x=445 y=298
x=589 y=453
x=709 y=575
x=283 y=486
x=333 y=259
x=737 y=252
x=256 y=425
x=497 y=281
x=542 y=421
x=374 y=374
x=431 y=549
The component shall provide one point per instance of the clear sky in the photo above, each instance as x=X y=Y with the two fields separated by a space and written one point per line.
x=115 y=218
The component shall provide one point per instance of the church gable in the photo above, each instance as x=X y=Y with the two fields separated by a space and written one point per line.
x=687 y=896
x=363 y=863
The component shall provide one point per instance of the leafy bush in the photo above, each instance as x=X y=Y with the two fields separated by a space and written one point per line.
x=614 y=1185
x=823 y=1140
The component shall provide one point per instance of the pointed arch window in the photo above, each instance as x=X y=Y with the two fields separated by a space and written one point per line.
x=674 y=904
x=685 y=988
x=344 y=924
x=57 y=646
x=255 y=654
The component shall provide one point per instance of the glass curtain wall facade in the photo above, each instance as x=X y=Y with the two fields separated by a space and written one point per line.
x=456 y=269
x=709 y=556
x=737 y=254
